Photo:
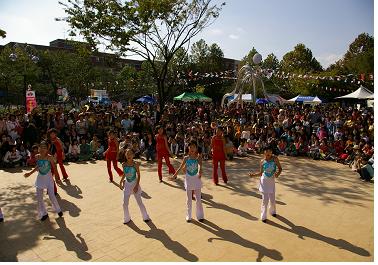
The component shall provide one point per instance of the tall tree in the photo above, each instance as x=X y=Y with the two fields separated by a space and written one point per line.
x=3 y=34
x=248 y=59
x=271 y=62
x=147 y=28
x=216 y=56
x=360 y=56
x=199 y=55
x=300 y=60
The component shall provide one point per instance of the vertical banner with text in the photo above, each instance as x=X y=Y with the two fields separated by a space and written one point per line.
x=31 y=101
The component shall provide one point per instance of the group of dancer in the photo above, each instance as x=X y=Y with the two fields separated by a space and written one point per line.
x=269 y=170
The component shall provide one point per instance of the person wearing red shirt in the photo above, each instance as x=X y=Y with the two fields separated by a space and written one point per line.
x=57 y=145
x=162 y=151
x=111 y=156
x=219 y=155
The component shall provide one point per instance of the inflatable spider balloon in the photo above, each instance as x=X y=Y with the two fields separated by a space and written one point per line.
x=247 y=75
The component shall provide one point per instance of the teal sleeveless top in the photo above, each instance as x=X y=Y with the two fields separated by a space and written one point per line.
x=191 y=167
x=130 y=173
x=269 y=168
x=44 y=166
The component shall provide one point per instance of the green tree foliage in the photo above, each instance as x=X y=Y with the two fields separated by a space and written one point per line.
x=248 y=59
x=144 y=27
x=300 y=60
x=215 y=56
x=3 y=34
x=205 y=58
x=358 y=59
x=271 y=62
x=199 y=55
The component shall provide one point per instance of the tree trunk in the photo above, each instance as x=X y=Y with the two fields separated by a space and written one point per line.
x=160 y=88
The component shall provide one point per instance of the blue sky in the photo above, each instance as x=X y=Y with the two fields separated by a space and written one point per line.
x=327 y=27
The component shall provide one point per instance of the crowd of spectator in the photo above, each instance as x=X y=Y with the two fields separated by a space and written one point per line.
x=326 y=132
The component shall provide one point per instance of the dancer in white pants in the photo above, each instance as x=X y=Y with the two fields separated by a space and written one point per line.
x=44 y=181
x=1 y=216
x=193 y=165
x=268 y=173
x=130 y=185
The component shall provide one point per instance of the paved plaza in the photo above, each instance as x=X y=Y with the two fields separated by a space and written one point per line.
x=325 y=213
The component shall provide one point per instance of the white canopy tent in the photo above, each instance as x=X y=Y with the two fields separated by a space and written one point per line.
x=361 y=93
x=245 y=97
x=315 y=101
x=276 y=98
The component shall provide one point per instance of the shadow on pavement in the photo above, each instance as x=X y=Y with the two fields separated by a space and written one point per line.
x=145 y=195
x=179 y=182
x=305 y=232
x=21 y=231
x=72 y=243
x=231 y=236
x=237 y=188
x=162 y=236
x=72 y=190
x=68 y=206
x=207 y=199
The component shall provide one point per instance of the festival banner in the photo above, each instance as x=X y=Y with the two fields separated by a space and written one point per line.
x=31 y=101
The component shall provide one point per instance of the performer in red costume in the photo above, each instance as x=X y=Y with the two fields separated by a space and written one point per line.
x=57 y=151
x=111 y=155
x=219 y=155
x=162 y=151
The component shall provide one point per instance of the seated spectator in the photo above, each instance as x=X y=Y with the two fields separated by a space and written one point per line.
x=136 y=149
x=24 y=153
x=174 y=147
x=368 y=149
x=96 y=148
x=150 y=145
x=314 y=150
x=300 y=146
x=73 y=151
x=290 y=149
x=367 y=170
x=206 y=146
x=32 y=161
x=282 y=144
x=12 y=158
x=229 y=148
x=242 y=149
x=323 y=149
x=85 y=153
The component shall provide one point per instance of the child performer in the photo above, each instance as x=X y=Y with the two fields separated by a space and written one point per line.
x=130 y=185
x=268 y=173
x=111 y=155
x=193 y=168
x=59 y=153
x=219 y=155
x=45 y=181
x=162 y=151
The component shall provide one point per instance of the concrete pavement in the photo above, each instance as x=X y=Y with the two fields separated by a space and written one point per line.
x=325 y=213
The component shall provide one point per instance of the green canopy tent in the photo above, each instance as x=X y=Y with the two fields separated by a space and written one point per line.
x=192 y=96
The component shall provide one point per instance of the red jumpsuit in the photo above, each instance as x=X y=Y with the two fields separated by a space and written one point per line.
x=218 y=156
x=162 y=152
x=111 y=156
x=59 y=158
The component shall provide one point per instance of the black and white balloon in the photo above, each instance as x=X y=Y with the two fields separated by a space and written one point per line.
x=257 y=58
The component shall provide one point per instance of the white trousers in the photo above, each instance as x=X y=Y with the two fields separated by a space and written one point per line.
x=138 y=198
x=199 y=208
x=266 y=197
x=40 y=203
